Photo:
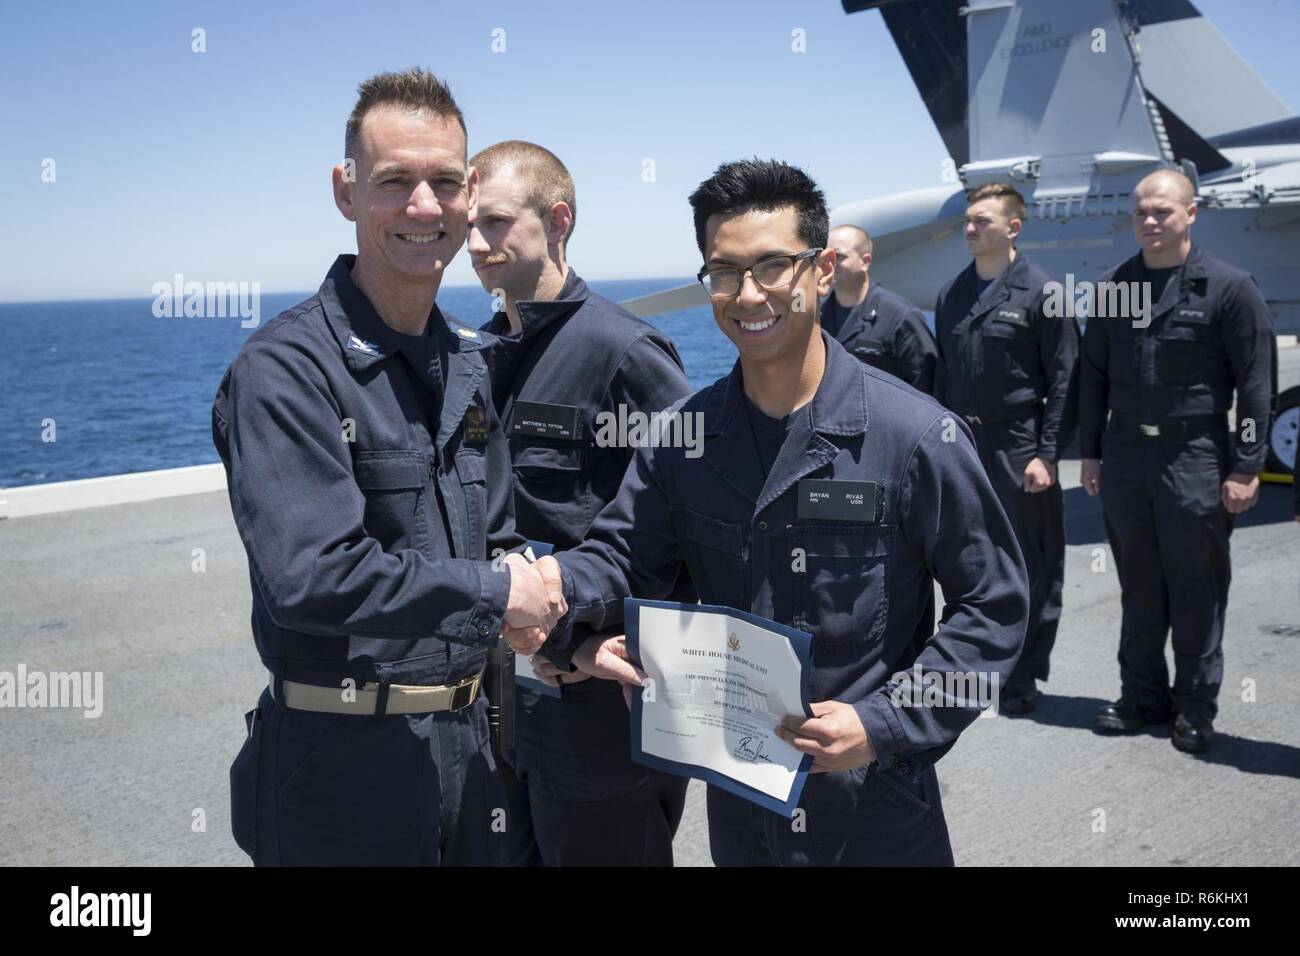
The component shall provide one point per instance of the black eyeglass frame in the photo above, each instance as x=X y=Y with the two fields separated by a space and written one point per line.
x=795 y=258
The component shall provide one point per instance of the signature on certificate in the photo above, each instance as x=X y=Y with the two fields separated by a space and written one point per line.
x=749 y=749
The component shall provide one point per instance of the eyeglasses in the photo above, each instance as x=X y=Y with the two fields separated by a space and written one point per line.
x=771 y=273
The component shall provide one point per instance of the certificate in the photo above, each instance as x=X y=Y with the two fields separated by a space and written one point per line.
x=722 y=680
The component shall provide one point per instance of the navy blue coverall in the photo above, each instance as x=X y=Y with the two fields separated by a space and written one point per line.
x=864 y=589
x=1165 y=452
x=576 y=796
x=1011 y=371
x=887 y=332
x=358 y=461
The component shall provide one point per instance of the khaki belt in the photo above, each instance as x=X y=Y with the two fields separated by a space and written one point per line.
x=402 y=698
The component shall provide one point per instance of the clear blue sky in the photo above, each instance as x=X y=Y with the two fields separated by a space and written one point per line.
x=216 y=165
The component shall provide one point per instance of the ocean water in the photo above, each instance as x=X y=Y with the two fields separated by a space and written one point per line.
x=120 y=390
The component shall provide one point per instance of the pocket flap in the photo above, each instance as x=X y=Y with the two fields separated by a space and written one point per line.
x=997 y=329
x=844 y=541
x=547 y=458
x=710 y=532
x=389 y=471
x=1173 y=332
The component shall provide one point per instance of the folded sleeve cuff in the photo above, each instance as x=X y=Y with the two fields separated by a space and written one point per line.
x=494 y=597
x=882 y=727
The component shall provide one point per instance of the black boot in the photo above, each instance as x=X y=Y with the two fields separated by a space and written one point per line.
x=1018 y=700
x=1192 y=734
x=1122 y=717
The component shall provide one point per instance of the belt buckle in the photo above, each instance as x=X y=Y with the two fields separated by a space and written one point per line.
x=1151 y=431
x=464 y=693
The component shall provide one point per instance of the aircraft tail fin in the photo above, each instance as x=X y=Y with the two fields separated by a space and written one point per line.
x=1058 y=94
x=1195 y=72
x=931 y=37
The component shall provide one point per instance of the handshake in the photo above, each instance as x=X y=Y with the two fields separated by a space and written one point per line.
x=535 y=604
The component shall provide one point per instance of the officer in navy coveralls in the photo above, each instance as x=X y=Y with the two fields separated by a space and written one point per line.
x=359 y=439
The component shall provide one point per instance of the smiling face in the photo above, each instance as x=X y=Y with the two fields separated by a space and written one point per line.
x=1163 y=213
x=508 y=242
x=767 y=325
x=413 y=194
x=989 y=227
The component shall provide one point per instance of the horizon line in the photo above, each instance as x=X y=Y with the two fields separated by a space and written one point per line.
x=310 y=292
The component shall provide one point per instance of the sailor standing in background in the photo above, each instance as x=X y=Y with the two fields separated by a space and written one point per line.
x=1175 y=476
x=564 y=355
x=880 y=328
x=1010 y=370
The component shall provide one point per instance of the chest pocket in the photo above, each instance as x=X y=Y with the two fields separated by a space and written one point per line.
x=396 y=486
x=713 y=552
x=472 y=474
x=551 y=490
x=842 y=596
x=1185 y=346
x=1008 y=352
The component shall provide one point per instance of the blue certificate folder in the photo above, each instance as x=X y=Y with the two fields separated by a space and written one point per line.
x=801 y=641
x=539 y=549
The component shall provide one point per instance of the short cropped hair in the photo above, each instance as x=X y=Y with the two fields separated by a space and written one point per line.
x=546 y=179
x=864 y=241
x=1012 y=202
x=746 y=185
x=415 y=89
x=1182 y=184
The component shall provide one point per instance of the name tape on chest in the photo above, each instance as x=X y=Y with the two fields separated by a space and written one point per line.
x=546 y=420
x=1012 y=316
x=822 y=499
x=1195 y=316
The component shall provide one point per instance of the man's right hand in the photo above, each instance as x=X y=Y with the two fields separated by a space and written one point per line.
x=530 y=613
x=606 y=657
x=553 y=579
x=1090 y=476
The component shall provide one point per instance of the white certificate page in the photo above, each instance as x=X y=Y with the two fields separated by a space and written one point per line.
x=721 y=686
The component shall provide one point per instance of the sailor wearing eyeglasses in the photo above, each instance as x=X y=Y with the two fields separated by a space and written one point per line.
x=797 y=419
